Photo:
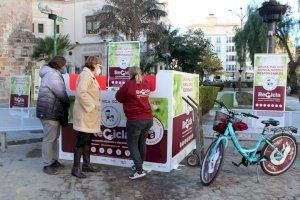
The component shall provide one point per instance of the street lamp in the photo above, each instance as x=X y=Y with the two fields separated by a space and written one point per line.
x=46 y=10
x=271 y=12
x=241 y=16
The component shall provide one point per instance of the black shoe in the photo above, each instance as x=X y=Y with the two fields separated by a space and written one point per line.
x=77 y=173
x=89 y=168
x=50 y=170
x=133 y=168
x=58 y=165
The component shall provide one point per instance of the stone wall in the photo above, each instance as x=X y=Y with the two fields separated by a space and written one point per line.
x=16 y=41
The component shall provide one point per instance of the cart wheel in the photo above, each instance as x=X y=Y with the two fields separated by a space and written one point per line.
x=192 y=160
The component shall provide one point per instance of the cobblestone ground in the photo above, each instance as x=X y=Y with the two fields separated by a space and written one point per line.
x=21 y=178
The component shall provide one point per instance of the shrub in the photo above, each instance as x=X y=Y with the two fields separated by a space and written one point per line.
x=244 y=98
x=220 y=85
x=207 y=96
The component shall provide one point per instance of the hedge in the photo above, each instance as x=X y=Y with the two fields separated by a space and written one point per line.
x=219 y=85
x=207 y=96
x=228 y=84
x=244 y=98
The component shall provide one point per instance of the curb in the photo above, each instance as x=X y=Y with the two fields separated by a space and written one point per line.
x=28 y=141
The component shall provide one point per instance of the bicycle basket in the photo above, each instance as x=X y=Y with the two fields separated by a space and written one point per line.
x=220 y=122
x=240 y=126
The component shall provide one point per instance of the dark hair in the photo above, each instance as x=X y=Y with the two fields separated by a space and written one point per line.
x=57 y=62
x=91 y=61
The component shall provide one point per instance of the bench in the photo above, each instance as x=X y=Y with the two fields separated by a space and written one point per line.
x=17 y=119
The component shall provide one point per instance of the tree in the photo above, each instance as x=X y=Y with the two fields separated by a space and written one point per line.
x=284 y=30
x=210 y=64
x=159 y=44
x=44 y=48
x=252 y=37
x=195 y=54
x=131 y=18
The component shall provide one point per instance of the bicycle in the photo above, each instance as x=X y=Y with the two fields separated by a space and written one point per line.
x=276 y=157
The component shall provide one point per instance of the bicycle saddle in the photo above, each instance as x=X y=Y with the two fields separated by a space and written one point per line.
x=269 y=122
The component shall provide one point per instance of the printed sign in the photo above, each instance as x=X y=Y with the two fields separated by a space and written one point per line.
x=270 y=74
x=183 y=121
x=183 y=132
x=19 y=91
x=121 y=56
x=183 y=86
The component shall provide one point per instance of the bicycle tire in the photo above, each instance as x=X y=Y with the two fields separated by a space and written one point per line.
x=274 y=167
x=205 y=178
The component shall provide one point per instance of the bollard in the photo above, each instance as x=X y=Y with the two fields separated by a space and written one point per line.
x=3 y=141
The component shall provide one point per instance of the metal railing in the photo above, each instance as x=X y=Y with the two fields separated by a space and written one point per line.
x=17 y=119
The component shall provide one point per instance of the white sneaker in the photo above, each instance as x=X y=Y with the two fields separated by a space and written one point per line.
x=137 y=174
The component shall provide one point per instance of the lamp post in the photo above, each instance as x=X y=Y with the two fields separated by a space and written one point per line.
x=271 y=12
x=241 y=15
x=46 y=10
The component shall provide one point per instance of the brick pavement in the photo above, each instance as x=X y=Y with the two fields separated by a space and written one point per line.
x=21 y=178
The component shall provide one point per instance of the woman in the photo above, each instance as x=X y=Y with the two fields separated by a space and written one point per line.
x=134 y=95
x=51 y=105
x=86 y=115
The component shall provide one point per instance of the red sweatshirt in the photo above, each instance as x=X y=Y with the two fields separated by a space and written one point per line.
x=135 y=99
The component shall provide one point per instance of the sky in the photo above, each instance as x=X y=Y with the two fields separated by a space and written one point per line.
x=183 y=13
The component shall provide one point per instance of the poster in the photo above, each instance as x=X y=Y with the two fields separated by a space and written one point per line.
x=36 y=83
x=270 y=76
x=19 y=91
x=121 y=56
x=183 y=120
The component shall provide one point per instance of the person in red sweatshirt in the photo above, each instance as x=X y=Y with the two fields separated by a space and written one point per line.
x=134 y=95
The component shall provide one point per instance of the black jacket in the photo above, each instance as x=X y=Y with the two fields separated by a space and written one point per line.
x=52 y=100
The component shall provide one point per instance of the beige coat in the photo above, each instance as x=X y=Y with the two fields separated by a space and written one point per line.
x=86 y=112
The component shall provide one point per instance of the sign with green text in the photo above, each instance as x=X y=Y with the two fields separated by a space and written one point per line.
x=121 y=56
x=270 y=74
x=19 y=91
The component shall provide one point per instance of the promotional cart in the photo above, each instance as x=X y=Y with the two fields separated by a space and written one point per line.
x=170 y=139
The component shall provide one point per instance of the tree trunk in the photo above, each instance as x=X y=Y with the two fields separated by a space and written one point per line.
x=293 y=77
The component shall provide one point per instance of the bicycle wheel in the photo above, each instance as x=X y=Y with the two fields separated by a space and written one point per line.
x=212 y=163
x=288 y=146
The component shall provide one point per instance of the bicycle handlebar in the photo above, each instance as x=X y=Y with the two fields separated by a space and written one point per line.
x=250 y=115
x=222 y=104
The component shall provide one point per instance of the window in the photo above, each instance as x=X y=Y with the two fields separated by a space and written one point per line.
x=229 y=39
x=218 y=49
x=218 y=39
x=40 y=28
x=57 y=29
x=230 y=58
x=208 y=39
x=230 y=49
x=92 y=25
x=33 y=27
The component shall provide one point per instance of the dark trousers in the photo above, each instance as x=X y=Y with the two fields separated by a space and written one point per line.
x=137 y=131
x=84 y=139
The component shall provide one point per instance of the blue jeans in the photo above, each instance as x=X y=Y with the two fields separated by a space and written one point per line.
x=137 y=131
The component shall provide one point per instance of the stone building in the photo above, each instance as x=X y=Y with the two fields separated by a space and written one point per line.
x=16 y=41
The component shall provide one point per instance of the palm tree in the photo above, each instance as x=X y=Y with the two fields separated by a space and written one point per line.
x=130 y=18
x=44 y=48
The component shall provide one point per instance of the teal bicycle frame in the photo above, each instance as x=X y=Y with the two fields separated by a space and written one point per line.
x=248 y=154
